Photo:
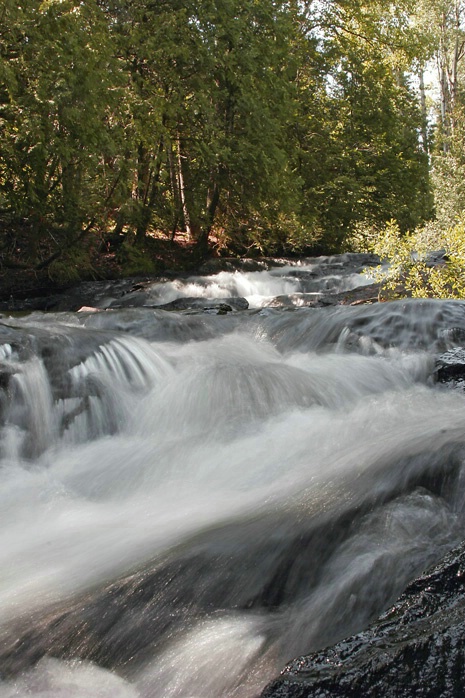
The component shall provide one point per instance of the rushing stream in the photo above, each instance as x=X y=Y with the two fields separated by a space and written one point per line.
x=189 y=499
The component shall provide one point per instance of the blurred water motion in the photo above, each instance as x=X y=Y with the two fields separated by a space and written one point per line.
x=188 y=500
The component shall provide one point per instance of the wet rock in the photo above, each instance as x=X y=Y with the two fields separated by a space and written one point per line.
x=416 y=648
x=133 y=299
x=215 y=265
x=368 y=293
x=295 y=300
x=436 y=258
x=96 y=294
x=220 y=304
x=450 y=368
x=89 y=309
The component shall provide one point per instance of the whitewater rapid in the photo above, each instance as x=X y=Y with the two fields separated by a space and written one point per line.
x=190 y=500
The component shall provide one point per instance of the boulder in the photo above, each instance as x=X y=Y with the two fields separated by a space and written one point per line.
x=221 y=305
x=450 y=367
x=416 y=648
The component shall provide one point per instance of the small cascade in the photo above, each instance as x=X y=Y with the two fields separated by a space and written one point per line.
x=256 y=287
x=406 y=325
x=43 y=402
x=123 y=365
x=27 y=407
x=261 y=288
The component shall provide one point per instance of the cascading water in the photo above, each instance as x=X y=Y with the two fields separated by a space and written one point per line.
x=190 y=500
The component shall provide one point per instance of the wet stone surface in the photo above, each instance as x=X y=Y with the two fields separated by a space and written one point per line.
x=415 y=649
x=451 y=368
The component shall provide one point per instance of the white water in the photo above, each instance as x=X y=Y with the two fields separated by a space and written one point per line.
x=296 y=282
x=231 y=491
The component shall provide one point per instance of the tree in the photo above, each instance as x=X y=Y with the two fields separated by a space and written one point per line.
x=440 y=24
x=271 y=123
x=361 y=158
x=61 y=95
x=238 y=102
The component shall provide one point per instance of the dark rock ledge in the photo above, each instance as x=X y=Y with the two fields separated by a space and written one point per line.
x=416 y=649
x=450 y=367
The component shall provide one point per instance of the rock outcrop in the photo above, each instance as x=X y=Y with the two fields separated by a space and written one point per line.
x=417 y=648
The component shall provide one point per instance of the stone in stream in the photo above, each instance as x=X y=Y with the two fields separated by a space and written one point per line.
x=450 y=368
x=222 y=305
x=138 y=299
x=416 y=648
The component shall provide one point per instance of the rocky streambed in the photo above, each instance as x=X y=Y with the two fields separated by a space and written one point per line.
x=207 y=478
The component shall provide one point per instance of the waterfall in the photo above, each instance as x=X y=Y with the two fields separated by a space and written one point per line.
x=189 y=500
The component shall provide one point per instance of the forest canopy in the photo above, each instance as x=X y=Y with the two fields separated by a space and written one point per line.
x=249 y=126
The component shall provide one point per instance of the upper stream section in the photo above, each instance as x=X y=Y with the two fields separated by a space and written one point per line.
x=237 y=283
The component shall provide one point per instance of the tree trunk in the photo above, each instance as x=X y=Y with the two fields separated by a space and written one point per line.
x=424 y=114
x=213 y=199
x=148 y=177
x=450 y=54
x=182 y=190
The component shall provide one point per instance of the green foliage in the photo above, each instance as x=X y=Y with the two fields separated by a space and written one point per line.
x=360 y=160
x=362 y=238
x=279 y=234
x=58 y=117
x=411 y=270
x=135 y=260
x=74 y=264
x=265 y=124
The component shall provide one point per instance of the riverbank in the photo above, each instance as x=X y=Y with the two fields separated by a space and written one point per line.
x=112 y=261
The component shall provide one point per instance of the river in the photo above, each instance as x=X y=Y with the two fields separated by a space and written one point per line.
x=191 y=498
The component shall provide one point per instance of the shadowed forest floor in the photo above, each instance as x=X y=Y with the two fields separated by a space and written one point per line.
x=19 y=281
